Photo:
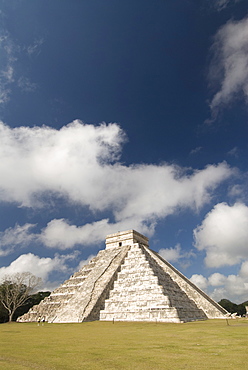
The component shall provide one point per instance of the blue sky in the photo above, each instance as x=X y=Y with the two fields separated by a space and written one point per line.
x=121 y=115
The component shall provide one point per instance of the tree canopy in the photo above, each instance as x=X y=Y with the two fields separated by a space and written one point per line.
x=233 y=307
x=16 y=289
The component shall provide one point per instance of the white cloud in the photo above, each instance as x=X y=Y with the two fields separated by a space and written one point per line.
x=72 y=162
x=237 y=191
x=7 y=74
x=234 y=152
x=196 y=150
x=4 y=93
x=244 y=269
x=80 y=163
x=16 y=236
x=10 y=53
x=229 y=68
x=171 y=254
x=222 y=4
x=217 y=279
x=236 y=287
x=199 y=281
x=60 y=234
x=223 y=234
x=40 y=267
x=7 y=50
x=177 y=255
x=219 y=286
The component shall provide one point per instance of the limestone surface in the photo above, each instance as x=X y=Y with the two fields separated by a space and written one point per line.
x=126 y=282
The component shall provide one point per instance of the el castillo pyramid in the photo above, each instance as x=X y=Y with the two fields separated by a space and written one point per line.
x=127 y=282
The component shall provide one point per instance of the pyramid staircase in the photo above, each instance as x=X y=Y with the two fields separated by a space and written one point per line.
x=81 y=296
x=126 y=282
x=142 y=292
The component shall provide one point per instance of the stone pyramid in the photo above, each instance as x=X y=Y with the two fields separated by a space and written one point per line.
x=127 y=282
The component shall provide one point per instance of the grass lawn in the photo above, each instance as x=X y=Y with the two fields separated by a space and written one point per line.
x=210 y=344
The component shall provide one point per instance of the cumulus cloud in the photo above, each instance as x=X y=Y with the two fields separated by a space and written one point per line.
x=244 y=269
x=171 y=254
x=199 y=281
x=219 y=286
x=177 y=255
x=40 y=267
x=79 y=162
x=229 y=67
x=223 y=234
x=70 y=162
x=60 y=234
x=217 y=279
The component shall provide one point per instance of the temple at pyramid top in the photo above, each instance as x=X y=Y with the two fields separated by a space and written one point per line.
x=123 y=238
x=127 y=281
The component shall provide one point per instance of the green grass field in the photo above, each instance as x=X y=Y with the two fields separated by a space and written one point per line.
x=208 y=344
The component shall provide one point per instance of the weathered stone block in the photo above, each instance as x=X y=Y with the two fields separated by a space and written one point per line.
x=126 y=282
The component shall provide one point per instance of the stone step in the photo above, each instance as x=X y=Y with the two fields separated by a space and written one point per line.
x=135 y=280
x=112 y=307
x=154 y=299
x=137 y=258
x=133 y=264
x=129 y=283
x=169 y=315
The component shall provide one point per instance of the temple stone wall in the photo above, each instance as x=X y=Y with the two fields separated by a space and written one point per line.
x=143 y=292
x=81 y=297
x=211 y=308
x=123 y=238
x=128 y=282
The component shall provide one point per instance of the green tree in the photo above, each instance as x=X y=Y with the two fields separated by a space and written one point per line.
x=16 y=289
x=233 y=307
x=229 y=306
